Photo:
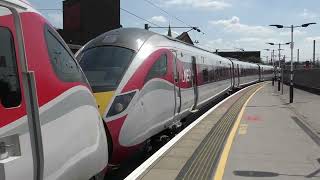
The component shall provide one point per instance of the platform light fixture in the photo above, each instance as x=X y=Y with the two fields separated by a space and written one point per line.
x=279 y=74
x=292 y=46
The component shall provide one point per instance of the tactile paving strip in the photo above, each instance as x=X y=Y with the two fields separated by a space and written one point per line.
x=203 y=162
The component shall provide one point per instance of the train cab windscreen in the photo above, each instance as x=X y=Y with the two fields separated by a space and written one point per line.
x=10 y=95
x=105 y=66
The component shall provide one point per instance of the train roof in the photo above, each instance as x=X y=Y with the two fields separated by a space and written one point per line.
x=266 y=66
x=134 y=38
x=22 y=5
x=131 y=38
x=236 y=61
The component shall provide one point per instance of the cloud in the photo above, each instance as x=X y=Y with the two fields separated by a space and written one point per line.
x=160 y=19
x=216 y=41
x=173 y=33
x=256 y=43
x=219 y=43
x=56 y=19
x=307 y=14
x=247 y=43
x=234 y=25
x=296 y=32
x=248 y=40
x=310 y=39
x=200 y=4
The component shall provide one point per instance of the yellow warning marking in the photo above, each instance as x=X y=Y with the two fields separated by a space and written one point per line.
x=243 y=129
x=224 y=157
x=103 y=99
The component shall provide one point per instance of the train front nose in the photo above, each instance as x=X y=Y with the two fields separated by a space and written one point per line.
x=103 y=99
x=110 y=105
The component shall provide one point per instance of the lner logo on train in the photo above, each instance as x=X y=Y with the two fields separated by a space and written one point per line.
x=186 y=75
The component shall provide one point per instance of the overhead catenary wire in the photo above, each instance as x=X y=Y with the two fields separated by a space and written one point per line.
x=166 y=12
x=53 y=9
x=175 y=17
x=139 y=17
x=151 y=3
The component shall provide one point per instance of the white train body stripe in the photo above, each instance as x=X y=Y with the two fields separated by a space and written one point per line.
x=144 y=166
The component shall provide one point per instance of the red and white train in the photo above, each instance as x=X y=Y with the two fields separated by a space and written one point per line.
x=50 y=126
x=145 y=83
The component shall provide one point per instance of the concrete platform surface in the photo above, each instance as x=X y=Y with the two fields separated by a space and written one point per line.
x=174 y=161
x=270 y=143
x=306 y=105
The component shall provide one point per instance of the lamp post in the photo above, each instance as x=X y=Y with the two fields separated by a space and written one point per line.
x=270 y=56
x=291 y=46
x=266 y=62
x=279 y=74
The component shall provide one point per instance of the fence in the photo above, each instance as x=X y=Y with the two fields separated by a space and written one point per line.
x=304 y=78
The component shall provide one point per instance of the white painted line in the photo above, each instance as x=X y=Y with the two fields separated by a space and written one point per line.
x=144 y=166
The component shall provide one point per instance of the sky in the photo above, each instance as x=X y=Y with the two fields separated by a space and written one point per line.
x=227 y=24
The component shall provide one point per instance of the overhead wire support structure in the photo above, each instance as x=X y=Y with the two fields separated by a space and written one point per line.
x=166 y=12
x=174 y=17
x=291 y=46
x=175 y=27
x=279 y=73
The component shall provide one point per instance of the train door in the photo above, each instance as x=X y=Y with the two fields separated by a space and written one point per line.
x=230 y=75
x=238 y=75
x=233 y=75
x=177 y=89
x=195 y=82
x=21 y=153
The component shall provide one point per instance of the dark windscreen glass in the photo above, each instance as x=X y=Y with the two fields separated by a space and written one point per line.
x=104 y=66
x=10 y=95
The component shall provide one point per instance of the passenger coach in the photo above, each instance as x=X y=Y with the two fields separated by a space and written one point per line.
x=145 y=83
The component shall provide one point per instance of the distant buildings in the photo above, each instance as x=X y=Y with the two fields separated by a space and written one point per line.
x=248 y=56
x=185 y=37
x=83 y=20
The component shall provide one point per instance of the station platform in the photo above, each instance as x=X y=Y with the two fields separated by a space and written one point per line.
x=253 y=134
x=305 y=105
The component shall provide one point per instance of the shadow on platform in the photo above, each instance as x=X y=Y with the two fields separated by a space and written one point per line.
x=274 y=174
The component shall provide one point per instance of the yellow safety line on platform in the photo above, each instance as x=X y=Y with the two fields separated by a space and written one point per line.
x=224 y=157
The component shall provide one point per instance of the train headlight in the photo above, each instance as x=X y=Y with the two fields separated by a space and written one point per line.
x=120 y=104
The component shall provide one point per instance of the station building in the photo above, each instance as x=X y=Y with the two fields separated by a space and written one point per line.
x=83 y=20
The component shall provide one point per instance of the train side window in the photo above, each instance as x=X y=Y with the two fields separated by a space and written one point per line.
x=212 y=75
x=223 y=73
x=217 y=73
x=205 y=75
x=63 y=63
x=158 y=69
x=10 y=93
